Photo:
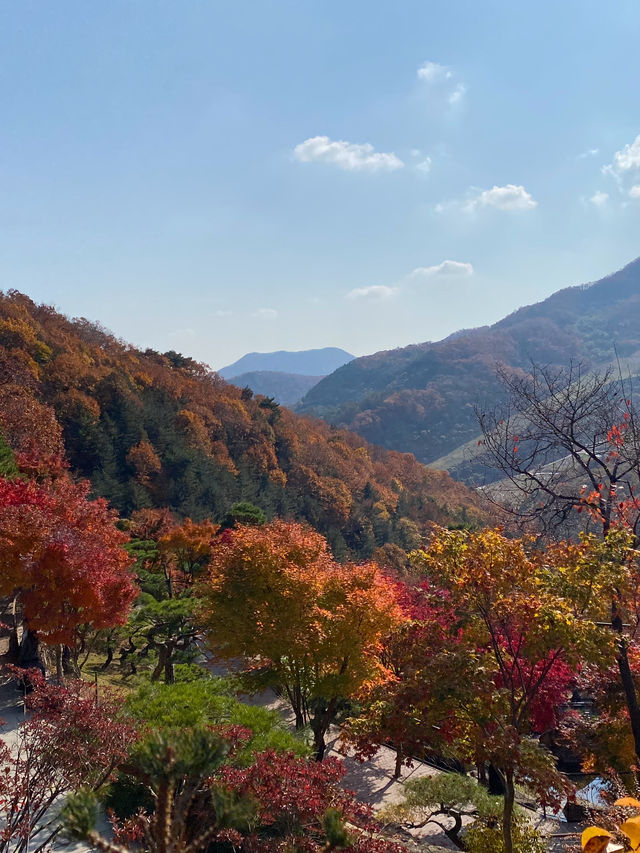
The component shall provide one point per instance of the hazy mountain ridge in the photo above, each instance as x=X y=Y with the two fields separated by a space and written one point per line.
x=285 y=388
x=421 y=398
x=311 y=362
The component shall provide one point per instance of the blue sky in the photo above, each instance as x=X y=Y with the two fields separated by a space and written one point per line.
x=221 y=177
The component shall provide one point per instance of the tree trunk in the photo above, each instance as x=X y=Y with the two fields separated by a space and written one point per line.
x=320 y=725
x=169 y=675
x=496 y=782
x=299 y=719
x=108 y=660
x=130 y=651
x=453 y=834
x=59 y=670
x=507 y=810
x=160 y=666
x=630 y=695
x=70 y=663
x=319 y=745
x=29 y=655
x=14 y=642
x=397 y=773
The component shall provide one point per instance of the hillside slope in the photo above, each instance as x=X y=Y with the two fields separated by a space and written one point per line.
x=160 y=430
x=421 y=398
x=310 y=362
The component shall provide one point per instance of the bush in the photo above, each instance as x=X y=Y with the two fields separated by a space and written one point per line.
x=486 y=837
x=210 y=702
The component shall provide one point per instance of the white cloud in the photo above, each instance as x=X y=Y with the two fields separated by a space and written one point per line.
x=266 y=313
x=458 y=93
x=628 y=158
x=433 y=72
x=424 y=165
x=510 y=197
x=383 y=292
x=223 y=313
x=446 y=268
x=590 y=152
x=634 y=192
x=374 y=292
x=442 y=79
x=599 y=198
x=346 y=155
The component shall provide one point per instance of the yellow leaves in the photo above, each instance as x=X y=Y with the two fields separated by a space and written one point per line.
x=628 y=801
x=631 y=829
x=595 y=840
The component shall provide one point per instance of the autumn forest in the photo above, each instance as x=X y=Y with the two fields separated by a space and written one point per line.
x=221 y=617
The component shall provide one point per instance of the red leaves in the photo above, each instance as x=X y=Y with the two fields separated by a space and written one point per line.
x=409 y=711
x=555 y=680
x=289 y=787
x=64 y=554
x=67 y=742
x=293 y=795
x=616 y=434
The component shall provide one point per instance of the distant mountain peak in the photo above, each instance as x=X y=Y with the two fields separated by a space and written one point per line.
x=310 y=362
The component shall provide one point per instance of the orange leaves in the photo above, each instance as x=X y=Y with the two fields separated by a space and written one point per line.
x=631 y=828
x=186 y=549
x=275 y=595
x=616 y=434
x=194 y=427
x=144 y=461
x=211 y=437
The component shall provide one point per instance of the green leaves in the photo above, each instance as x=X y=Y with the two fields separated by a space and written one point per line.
x=79 y=814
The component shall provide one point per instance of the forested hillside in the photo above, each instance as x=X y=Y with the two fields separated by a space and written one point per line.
x=160 y=430
x=421 y=398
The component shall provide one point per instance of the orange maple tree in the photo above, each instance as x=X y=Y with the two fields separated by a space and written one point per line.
x=276 y=599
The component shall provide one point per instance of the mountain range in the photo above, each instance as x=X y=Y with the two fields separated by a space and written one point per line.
x=422 y=398
x=310 y=362
x=285 y=388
